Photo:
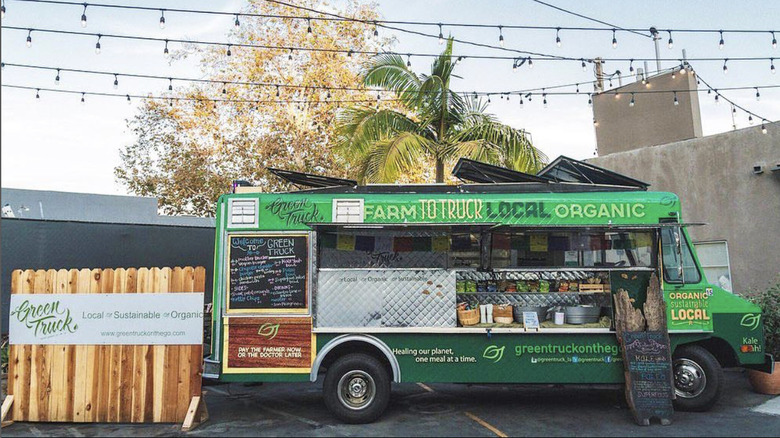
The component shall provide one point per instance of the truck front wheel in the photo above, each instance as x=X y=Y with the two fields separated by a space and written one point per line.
x=357 y=388
x=698 y=378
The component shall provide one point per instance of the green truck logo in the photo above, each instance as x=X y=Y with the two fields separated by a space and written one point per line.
x=750 y=320
x=493 y=353
x=268 y=330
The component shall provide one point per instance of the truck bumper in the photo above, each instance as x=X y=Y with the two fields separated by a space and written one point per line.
x=767 y=367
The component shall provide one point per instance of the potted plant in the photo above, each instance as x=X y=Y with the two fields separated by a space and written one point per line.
x=769 y=301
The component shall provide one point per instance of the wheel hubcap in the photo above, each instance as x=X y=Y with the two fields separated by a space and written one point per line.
x=689 y=378
x=356 y=389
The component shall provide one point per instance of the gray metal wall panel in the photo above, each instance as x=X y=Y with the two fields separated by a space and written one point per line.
x=35 y=244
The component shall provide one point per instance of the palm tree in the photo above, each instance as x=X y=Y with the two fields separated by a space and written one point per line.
x=434 y=123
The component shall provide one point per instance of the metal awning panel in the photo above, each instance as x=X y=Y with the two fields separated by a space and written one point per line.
x=565 y=169
x=311 y=180
x=479 y=172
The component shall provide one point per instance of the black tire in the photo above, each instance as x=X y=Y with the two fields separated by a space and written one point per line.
x=698 y=378
x=367 y=376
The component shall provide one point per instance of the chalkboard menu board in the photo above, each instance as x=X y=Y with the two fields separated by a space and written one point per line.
x=268 y=272
x=649 y=369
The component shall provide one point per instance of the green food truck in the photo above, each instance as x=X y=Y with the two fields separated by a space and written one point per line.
x=505 y=278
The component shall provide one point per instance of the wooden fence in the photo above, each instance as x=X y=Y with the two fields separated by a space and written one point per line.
x=105 y=383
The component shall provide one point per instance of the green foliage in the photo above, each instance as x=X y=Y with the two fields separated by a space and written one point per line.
x=427 y=123
x=769 y=301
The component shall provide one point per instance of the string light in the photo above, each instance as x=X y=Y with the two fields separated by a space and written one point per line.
x=166 y=53
x=750 y=120
x=290 y=55
x=671 y=42
x=721 y=43
x=170 y=84
x=128 y=100
x=758 y=95
x=544 y=98
x=224 y=88
x=29 y=38
x=82 y=98
x=2 y=10
x=277 y=91
x=488 y=98
x=441 y=36
x=676 y=102
x=501 y=36
x=57 y=78
x=97 y=45
x=514 y=66
x=38 y=94
x=733 y=109
x=763 y=128
x=631 y=104
x=682 y=69
x=162 y=18
x=584 y=67
x=614 y=39
x=116 y=81
x=237 y=23
x=408 y=61
x=308 y=29
x=774 y=41
x=578 y=89
x=590 y=100
x=717 y=101
x=349 y=54
x=228 y=53
x=521 y=102
x=674 y=74
x=595 y=123
x=457 y=61
x=725 y=67
x=84 y=16
x=771 y=65
x=558 y=37
x=530 y=62
x=631 y=66
x=376 y=31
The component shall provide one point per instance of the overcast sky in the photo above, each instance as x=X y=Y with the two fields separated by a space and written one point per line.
x=57 y=143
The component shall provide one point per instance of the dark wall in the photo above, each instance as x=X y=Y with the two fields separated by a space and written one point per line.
x=42 y=244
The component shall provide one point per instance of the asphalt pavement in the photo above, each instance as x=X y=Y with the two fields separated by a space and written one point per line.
x=448 y=410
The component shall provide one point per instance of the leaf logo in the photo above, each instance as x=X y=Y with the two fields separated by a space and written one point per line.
x=751 y=321
x=268 y=330
x=493 y=353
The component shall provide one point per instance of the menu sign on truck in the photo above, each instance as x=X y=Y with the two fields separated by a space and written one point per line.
x=268 y=272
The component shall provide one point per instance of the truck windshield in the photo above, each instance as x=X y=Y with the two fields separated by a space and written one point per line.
x=672 y=260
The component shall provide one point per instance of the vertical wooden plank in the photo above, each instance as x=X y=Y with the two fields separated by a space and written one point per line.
x=22 y=397
x=70 y=357
x=93 y=365
x=13 y=353
x=139 y=355
x=104 y=398
x=81 y=357
x=127 y=362
x=58 y=362
x=44 y=360
x=157 y=283
x=185 y=363
x=37 y=358
x=115 y=366
x=196 y=351
x=171 y=358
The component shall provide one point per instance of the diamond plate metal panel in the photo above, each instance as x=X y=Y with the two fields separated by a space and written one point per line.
x=334 y=258
x=388 y=298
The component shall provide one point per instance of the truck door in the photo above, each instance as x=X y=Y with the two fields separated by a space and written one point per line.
x=686 y=295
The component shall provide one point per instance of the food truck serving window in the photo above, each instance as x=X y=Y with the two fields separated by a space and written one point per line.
x=514 y=249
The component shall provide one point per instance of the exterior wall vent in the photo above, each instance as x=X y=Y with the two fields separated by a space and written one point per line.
x=348 y=211
x=243 y=213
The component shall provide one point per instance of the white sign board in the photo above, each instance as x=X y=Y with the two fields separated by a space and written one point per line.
x=530 y=320
x=101 y=319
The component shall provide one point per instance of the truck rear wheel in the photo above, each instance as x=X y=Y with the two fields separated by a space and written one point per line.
x=357 y=388
x=698 y=378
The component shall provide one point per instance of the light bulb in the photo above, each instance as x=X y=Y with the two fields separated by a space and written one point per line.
x=500 y=36
x=772 y=66
x=721 y=43
x=750 y=120
x=162 y=19
x=441 y=36
x=683 y=70
x=277 y=91
x=671 y=41
x=289 y=55
x=128 y=99
x=578 y=89
x=38 y=95
x=97 y=48
x=166 y=53
x=376 y=31
x=717 y=100
x=82 y=99
x=228 y=53
x=595 y=123
x=545 y=102
x=774 y=40
x=521 y=102
x=590 y=100
x=725 y=67
x=308 y=29
x=631 y=104
x=584 y=67
x=763 y=128
x=2 y=11
x=83 y=20
x=758 y=95
x=237 y=23
x=29 y=39
x=676 y=102
x=514 y=67
x=631 y=66
x=116 y=82
x=614 y=39
x=674 y=74
x=530 y=63
x=57 y=78
x=408 y=61
x=558 y=37
x=170 y=84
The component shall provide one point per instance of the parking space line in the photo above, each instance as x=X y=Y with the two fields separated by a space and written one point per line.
x=425 y=387
x=485 y=424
